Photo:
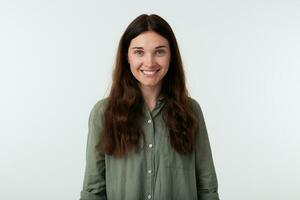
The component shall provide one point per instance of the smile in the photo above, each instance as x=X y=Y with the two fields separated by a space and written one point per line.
x=149 y=72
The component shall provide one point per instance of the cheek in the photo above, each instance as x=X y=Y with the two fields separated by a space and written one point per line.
x=165 y=63
x=134 y=68
x=134 y=63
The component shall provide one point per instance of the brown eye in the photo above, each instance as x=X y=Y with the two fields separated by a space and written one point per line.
x=160 y=52
x=138 y=52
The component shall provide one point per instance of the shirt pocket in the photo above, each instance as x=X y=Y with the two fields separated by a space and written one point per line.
x=172 y=159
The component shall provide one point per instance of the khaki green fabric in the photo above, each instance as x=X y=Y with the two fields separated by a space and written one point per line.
x=157 y=172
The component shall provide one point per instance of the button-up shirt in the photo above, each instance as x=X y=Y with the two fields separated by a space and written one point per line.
x=157 y=171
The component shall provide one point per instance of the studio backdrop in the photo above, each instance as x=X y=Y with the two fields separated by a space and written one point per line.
x=241 y=60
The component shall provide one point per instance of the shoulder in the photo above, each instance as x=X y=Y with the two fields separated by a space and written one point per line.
x=100 y=105
x=195 y=105
x=98 y=109
x=197 y=110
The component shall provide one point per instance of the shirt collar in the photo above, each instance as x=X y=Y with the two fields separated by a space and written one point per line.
x=159 y=104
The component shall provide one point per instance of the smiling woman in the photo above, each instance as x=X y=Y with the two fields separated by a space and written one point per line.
x=149 y=58
x=148 y=138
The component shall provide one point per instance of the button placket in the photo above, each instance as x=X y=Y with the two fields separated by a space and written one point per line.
x=150 y=154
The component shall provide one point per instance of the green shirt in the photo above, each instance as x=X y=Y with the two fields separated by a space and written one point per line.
x=157 y=172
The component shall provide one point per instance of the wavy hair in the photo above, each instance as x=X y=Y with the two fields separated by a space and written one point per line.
x=121 y=133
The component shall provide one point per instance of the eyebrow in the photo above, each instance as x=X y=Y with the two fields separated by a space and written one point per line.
x=161 y=46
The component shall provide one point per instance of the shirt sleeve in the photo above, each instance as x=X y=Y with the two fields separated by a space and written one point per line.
x=207 y=184
x=94 y=187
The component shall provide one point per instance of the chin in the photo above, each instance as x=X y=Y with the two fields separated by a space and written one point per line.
x=149 y=84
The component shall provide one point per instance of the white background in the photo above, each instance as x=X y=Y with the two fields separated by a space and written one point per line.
x=241 y=61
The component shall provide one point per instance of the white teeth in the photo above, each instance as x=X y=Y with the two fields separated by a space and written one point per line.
x=149 y=72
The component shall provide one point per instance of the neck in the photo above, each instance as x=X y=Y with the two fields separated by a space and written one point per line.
x=151 y=94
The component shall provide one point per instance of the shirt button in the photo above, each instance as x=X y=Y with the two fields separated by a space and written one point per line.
x=149 y=171
x=149 y=196
x=149 y=121
x=150 y=145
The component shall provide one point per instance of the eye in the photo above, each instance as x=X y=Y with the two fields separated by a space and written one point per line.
x=138 y=52
x=160 y=52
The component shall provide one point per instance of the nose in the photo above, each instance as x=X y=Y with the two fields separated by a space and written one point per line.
x=149 y=60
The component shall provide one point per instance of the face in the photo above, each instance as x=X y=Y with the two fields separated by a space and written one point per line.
x=149 y=58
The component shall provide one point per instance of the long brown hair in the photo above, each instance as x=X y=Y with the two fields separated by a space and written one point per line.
x=121 y=132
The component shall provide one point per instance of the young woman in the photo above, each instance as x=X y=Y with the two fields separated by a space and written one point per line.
x=148 y=138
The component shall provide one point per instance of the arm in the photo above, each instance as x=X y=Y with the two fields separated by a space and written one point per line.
x=207 y=184
x=94 y=178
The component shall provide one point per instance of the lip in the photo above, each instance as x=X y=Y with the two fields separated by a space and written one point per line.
x=149 y=69
x=149 y=75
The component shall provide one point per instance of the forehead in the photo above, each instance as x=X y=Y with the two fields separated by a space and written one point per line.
x=149 y=39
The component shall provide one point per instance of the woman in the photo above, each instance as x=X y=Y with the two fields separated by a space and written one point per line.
x=148 y=139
